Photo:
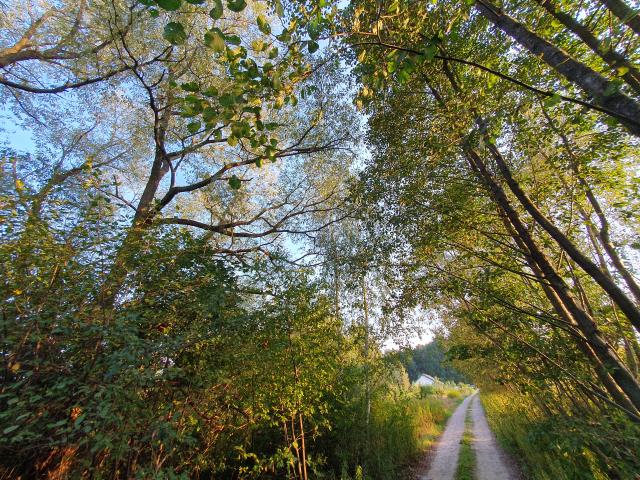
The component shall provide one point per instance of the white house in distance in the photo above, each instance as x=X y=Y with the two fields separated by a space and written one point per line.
x=424 y=380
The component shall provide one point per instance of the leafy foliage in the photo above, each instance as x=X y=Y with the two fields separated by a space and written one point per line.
x=430 y=359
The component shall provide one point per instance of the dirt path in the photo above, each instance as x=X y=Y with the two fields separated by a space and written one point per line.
x=491 y=462
x=445 y=460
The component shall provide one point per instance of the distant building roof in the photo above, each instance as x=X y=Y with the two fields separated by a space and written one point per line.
x=425 y=379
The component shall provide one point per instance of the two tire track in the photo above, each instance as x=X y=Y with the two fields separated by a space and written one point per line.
x=491 y=461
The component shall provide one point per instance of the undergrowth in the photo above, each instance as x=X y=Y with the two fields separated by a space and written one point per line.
x=400 y=431
x=564 y=447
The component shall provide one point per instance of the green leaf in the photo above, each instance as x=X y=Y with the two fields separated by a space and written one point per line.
x=285 y=36
x=209 y=114
x=278 y=8
x=234 y=182
x=613 y=87
x=210 y=92
x=403 y=76
x=57 y=424
x=240 y=129
x=313 y=29
x=227 y=100
x=263 y=24
x=79 y=420
x=196 y=2
x=552 y=100
x=10 y=429
x=430 y=51
x=217 y=10
x=194 y=127
x=605 y=45
x=233 y=40
x=258 y=45
x=622 y=71
x=312 y=46
x=214 y=39
x=232 y=141
x=174 y=33
x=154 y=13
x=276 y=82
x=170 y=5
x=273 y=53
x=190 y=87
x=236 y=5
x=392 y=66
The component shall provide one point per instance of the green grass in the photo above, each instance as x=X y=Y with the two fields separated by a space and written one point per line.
x=467 y=459
x=440 y=401
x=432 y=415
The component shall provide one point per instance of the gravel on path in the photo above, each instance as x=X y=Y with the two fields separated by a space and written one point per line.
x=445 y=460
x=491 y=461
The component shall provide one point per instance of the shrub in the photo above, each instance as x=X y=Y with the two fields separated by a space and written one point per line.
x=563 y=447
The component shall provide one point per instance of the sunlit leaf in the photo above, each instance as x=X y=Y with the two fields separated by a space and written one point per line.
x=214 y=39
x=263 y=24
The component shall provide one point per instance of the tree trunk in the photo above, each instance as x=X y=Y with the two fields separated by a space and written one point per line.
x=603 y=233
x=608 y=285
x=365 y=310
x=626 y=381
x=614 y=59
x=142 y=219
x=602 y=90
x=336 y=275
x=621 y=10
x=304 y=448
x=601 y=372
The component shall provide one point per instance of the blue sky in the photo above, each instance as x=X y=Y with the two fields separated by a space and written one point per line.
x=13 y=135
